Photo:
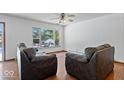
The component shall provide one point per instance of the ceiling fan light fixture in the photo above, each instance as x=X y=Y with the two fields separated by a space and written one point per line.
x=62 y=21
x=64 y=18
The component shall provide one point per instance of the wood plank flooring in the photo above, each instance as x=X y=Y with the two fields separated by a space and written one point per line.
x=6 y=69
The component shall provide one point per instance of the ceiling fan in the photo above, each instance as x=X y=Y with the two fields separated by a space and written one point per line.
x=64 y=17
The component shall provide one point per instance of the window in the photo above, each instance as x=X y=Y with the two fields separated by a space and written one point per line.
x=45 y=37
x=2 y=41
x=36 y=36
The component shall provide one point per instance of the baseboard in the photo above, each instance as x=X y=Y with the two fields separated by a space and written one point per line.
x=10 y=59
x=119 y=61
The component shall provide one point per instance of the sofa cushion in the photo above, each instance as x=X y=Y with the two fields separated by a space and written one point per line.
x=89 y=52
x=30 y=52
x=78 y=57
x=43 y=58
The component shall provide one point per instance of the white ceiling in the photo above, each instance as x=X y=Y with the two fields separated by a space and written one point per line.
x=49 y=17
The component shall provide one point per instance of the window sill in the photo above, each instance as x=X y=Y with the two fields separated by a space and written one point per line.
x=39 y=47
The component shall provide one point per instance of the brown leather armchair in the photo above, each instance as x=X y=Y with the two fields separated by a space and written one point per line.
x=32 y=67
x=96 y=64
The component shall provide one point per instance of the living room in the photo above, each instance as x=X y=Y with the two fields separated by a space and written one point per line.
x=70 y=32
x=61 y=46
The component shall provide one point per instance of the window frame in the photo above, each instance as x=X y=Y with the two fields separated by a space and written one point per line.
x=40 y=37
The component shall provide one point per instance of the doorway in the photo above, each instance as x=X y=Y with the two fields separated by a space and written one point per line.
x=2 y=41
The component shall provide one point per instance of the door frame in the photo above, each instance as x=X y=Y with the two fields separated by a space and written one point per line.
x=4 y=42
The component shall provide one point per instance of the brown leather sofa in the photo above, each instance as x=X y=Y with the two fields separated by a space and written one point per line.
x=32 y=67
x=95 y=64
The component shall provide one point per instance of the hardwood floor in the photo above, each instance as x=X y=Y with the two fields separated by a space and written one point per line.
x=118 y=72
x=7 y=69
x=61 y=72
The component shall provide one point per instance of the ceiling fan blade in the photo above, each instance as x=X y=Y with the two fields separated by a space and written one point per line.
x=56 y=18
x=70 y=20
x=71 y=15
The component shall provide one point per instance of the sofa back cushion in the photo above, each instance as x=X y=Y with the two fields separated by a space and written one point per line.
x=107 y=45
x=30 y=52
x=21 y=46
x=89 y=52
x=100 y=47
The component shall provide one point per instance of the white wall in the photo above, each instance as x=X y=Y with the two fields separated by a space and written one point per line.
x=106 y=29
x=20 y=30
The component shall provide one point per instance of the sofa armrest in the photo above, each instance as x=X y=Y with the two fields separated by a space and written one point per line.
x=77 y=57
